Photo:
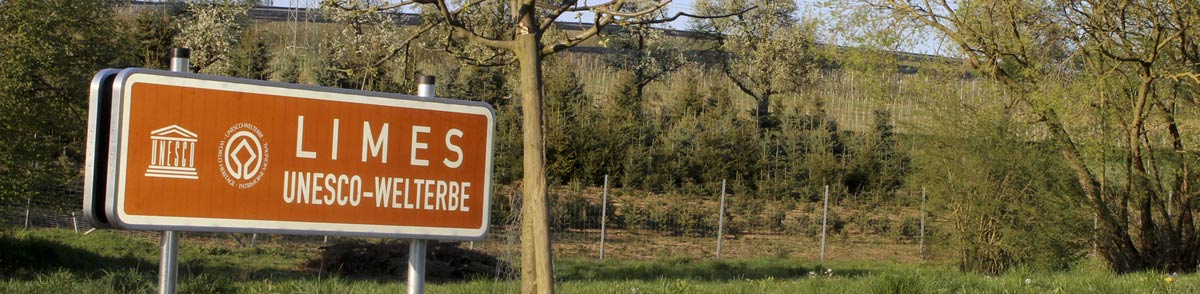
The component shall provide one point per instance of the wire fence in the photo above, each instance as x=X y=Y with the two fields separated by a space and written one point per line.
x=635 y=225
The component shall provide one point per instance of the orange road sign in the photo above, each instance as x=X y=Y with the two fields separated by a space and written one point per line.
x=192 y=152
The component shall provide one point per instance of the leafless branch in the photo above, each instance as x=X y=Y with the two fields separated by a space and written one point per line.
x=606 y=18
x=678 y=15
x=558 y=10
x=570 y=7
x=640 y=13
x=340 y=5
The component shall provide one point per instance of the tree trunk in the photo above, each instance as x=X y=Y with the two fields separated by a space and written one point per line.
x=536 y=263
x=1133 y=245
x=763 y=112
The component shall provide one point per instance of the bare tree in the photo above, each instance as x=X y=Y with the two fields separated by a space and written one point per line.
x=524 y=36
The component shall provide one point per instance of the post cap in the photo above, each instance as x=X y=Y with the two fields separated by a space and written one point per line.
x=181 y=53
x=428 y=80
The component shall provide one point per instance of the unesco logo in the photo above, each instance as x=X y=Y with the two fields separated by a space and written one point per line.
x=173 y=153
x=243 y=156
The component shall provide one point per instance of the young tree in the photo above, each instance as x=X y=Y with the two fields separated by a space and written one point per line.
x=765 y=51
x=522 y=32
x=367 y=42
x=646 y=54
x=212 y=29
x=154 y=32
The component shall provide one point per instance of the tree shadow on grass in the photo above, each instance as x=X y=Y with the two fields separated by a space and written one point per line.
x=28 y=257
x=705 y=270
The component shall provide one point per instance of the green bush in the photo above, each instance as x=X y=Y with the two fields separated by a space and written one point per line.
x=1010 y=202
x=570 y=210
x=910 y=228
x=879 y=225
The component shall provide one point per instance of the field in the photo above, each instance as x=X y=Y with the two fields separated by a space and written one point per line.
x=62 y=261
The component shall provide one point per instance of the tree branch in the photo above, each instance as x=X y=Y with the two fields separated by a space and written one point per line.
x=640 y=13
x=558 y=10
x=689 y=15
x=461 y=30
x=607 y=17
x=449 y=17
x=339 y=4
x=407 y=43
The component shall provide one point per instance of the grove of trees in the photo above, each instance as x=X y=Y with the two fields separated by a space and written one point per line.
x=1047 y=116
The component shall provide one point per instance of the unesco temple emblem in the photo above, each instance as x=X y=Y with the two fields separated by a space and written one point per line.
x=172 y=153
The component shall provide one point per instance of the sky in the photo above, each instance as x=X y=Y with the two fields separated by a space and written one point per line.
x=808 y=8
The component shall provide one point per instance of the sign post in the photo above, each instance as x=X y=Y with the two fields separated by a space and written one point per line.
x=176 y=151
x=416 y=249
x=168 y=260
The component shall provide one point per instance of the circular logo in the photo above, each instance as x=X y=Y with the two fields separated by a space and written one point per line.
x=242 y=156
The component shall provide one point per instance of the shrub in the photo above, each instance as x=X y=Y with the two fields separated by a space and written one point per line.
x=570 y=210
x=879 y=225
x=675 y=217
x=996 y=207
x=910 y=228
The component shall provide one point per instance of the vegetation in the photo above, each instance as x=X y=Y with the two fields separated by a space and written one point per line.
x=48 y=52
x=105 y=262
x=1109 y=84
x=1056 y=115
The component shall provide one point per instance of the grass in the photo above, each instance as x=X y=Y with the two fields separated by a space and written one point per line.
x=61 y=261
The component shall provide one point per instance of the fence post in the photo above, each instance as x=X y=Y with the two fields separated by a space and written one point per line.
x=28 y=202
x=75 y=222
x=721 y=221
x=1095 y=228
x=922 y=240
x=603 y=216
x=1170 y=194
x=824 y=222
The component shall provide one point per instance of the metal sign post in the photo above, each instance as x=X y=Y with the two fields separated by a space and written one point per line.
x=416 y=249
x=168 y=259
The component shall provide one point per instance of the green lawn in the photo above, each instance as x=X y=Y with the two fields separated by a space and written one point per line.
x=61 y=261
